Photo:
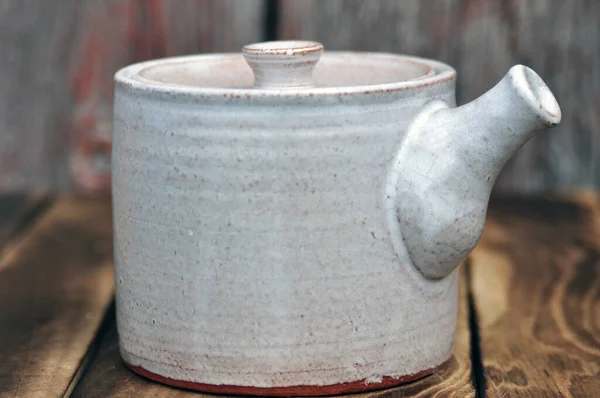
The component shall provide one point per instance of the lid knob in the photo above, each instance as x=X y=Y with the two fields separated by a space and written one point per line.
x=283 y=64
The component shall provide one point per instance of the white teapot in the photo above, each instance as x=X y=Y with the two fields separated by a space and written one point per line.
x=289 y=222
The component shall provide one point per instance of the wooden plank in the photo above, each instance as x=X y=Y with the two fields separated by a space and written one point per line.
x=536 y=287
x=482 y=39
x=108 y=377
x=56 y=282
x=57 y=65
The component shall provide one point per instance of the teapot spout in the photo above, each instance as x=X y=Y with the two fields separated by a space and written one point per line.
x=449 y=160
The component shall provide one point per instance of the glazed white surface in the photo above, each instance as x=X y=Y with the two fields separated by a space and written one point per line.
x=441 y=180
x=252 y=246
x=253 y=239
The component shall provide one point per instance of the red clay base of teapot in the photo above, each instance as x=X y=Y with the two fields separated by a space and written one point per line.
x=301 y=391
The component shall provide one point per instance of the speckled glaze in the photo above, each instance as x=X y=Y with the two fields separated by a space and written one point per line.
x=300 y=236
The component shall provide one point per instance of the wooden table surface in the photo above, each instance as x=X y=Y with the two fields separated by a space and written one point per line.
x=529 y=319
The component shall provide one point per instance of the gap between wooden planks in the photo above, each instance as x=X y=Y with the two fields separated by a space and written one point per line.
x=17 y=211
x=56 y=282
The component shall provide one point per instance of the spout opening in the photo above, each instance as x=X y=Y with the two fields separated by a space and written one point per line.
x=537 y=94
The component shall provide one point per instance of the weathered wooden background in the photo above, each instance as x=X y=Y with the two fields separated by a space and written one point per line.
x=57 y=59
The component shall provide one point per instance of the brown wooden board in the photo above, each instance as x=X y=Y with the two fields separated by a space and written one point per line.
x=482 y=39
x=56 y=75
x=56 y=282
x=536 y=288
x=108 y=377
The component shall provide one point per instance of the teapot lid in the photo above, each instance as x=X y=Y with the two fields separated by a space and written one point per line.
x=285 y=67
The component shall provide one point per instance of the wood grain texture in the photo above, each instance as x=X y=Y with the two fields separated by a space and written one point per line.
x=107 y=376
x=56 y=75
x=482 y=39
x=536 y=288
x=56 y=282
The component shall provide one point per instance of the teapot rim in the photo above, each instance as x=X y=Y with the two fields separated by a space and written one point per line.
x=131 y=77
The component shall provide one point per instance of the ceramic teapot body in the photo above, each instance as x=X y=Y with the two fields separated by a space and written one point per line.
x=292 y=238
